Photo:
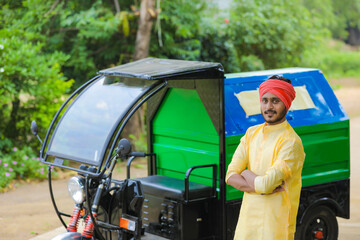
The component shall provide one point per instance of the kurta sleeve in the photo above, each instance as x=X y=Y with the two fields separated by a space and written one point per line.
x=239 y=160
x=289 y=160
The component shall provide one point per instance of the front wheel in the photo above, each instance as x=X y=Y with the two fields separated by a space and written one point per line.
x=318 y=223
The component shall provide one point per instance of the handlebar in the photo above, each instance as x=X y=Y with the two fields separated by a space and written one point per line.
x=132 y=156
x=137 y=154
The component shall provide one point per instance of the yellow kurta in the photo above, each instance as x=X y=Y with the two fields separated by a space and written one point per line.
x=275 y=153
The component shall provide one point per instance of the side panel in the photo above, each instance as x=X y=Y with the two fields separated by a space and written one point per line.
x=184 y=136
x=327 y=152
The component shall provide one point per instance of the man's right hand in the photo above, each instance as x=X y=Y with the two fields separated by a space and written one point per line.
x=280 y=188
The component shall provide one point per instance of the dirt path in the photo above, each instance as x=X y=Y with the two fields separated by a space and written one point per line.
x=28 y=211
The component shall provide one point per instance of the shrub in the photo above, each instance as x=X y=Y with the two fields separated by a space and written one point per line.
x=20 y=164
x=335 y=59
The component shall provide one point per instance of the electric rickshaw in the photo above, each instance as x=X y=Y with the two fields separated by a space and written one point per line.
x=195 y=117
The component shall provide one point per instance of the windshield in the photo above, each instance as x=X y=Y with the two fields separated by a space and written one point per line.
x=85 y=129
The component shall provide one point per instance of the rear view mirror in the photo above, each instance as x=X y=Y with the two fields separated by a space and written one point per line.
x=34 y=128
x=124 y=147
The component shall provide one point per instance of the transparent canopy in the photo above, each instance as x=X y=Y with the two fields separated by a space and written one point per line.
x=86 y=127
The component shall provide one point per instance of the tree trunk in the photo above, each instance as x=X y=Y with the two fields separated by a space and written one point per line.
x=11 y=130
x=136 y=124
x=354 y=36
x=144 y=30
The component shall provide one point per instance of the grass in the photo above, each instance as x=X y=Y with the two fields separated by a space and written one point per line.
x=336 y=60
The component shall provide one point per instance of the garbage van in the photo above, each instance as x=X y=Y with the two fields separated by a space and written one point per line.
x=195 y=117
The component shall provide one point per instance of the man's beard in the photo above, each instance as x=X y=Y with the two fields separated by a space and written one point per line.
x=281 y=116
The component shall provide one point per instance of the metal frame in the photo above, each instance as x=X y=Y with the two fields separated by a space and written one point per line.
x=58 y=213
x=129 y=114
x=187 y=175
x=58 y=113
x=130 y=111
x=108 y=159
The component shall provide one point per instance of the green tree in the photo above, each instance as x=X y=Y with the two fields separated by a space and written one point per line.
x=92 y=33
x=179 y=24
x=347 y=14
x=323 y=15
x=341 y=18
x=271 y=34
x=32 y=85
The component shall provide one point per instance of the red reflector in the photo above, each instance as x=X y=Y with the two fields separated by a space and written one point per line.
x=319 y=235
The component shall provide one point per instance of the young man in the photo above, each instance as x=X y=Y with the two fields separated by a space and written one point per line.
x=267 y=166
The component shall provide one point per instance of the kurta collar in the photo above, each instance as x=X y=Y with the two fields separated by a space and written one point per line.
x=275 y=127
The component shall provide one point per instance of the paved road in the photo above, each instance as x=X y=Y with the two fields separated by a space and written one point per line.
x=350 y=229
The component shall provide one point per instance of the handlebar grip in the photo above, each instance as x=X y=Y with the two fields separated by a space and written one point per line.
x=137 y=154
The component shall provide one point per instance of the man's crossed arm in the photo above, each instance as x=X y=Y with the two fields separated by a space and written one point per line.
x=246 y=182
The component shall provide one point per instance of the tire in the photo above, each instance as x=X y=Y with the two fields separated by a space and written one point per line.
x=103 y=215
x=320 y=220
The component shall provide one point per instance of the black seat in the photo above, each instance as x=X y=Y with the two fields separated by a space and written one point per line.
x=173 y=188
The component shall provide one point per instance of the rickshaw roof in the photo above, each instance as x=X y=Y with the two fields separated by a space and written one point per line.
x=165 y=69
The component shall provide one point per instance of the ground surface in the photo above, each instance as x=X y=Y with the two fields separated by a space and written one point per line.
x=27 y=211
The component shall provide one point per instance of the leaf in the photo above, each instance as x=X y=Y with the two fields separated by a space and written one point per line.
x=125 y=26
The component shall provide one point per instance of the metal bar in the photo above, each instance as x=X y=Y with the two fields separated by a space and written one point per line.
x=53 y=199
x=96 y=228
x=187 y=175
x=58 y=113
x=155 y=165
x=222 y=158
x=128 y=164
x=71 y=168
x=129 y=114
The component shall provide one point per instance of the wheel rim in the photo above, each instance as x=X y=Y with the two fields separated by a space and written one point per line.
x=317 y=229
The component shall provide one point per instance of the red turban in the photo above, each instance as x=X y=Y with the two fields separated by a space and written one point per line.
x=283 y=90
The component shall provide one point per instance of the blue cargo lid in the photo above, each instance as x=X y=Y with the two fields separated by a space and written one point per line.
x=316 y=102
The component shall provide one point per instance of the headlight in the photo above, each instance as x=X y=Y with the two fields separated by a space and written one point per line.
x=76 y=189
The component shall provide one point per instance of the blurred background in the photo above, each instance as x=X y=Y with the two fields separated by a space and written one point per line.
x=50 y=48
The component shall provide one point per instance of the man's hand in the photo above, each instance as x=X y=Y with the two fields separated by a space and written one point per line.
x=249 y=177
x=239 y=182
x=280 y=188
x=245 y=182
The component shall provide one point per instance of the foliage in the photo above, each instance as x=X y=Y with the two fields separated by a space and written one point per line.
x=337 y=16
x=91 y=33
x=323 y=15
x=94 y=36
x=336 y=60
x=43 y=44
x=20 y=164
x=271 y=34
x=215 y=47
x=140 y=143
x=31 y=86
x=347 y=14
x=180 y=22
x=187 y=30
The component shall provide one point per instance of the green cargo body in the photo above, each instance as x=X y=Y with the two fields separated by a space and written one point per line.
x=184 y=135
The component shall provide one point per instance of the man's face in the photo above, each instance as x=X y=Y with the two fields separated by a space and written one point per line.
x=273 y=109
